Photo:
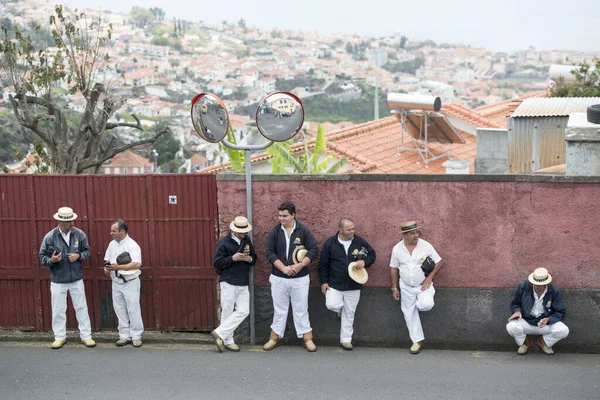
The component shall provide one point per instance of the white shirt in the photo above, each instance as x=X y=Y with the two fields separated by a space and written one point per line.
x=66 y=236
x=287 y=239
x=409 y=265
x=538 y=305
x=345 y=243
x=126 y=245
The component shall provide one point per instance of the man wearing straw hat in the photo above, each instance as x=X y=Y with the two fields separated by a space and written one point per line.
x=342 y=272
x=233 y=257
x=410 y=282
x=538 y=309
x=291 y=247
x=62 y=250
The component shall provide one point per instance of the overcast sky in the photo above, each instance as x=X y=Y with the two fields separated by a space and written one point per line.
x=506 y=25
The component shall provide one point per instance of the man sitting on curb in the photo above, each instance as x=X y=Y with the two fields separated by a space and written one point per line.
x=538 y=309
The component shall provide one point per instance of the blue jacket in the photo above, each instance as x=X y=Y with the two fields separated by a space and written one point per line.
x=333 y=264
x=233 y=272
x=301 y=236
x=65 y=271
x=554 y=304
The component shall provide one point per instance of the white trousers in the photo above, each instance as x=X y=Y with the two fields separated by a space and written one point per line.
x=413 y=300
x=58 y=293
x=235 y=307
x=346 y=302
x=126 y=303
x=519 y=328
x=283 y=290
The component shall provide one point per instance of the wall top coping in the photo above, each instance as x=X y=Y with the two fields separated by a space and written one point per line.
x=529 y=178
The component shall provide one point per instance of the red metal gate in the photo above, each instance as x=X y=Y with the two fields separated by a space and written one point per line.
x=172 y=217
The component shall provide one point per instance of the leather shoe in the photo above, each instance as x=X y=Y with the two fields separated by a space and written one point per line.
x=347 y=346
x=545 y=348
x=308 y=342
x=232 y=347
x=137 y=342
x=218 y=341
x=89 y=342
x=123 y=342
x=57 y=344
x=416 y=348
x=522 y=350
x=272 y=343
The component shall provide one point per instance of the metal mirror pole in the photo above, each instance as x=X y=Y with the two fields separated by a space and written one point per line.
x=247 y=149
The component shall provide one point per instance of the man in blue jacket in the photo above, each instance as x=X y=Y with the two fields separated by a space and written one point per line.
x=62 y=250
x=341 y=292
x=233 y=257
x=538 y=309
x=291 y=247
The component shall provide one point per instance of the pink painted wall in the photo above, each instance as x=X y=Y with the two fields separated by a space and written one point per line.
x=489 y=234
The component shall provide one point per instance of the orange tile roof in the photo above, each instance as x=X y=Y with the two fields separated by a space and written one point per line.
x=468 y=115
x=129 y=159
x=499 y=112
x=372 y=147
x=197 y=159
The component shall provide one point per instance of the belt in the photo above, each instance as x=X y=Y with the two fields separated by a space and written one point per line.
x=118 y=275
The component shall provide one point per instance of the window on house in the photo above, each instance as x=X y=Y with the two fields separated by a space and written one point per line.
x=136 y=170
x=116 y=171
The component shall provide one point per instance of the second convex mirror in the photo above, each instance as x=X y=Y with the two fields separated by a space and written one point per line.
x=279 y=116
x=210 y=117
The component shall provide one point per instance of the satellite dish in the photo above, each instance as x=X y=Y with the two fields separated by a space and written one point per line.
x=210 y=117
x=279 y=116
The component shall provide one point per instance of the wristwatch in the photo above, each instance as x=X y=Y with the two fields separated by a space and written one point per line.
x=302 y=264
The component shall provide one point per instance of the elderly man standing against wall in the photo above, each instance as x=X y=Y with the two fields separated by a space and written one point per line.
x=538 y=309
x=416 y=289
x=123 y=260
x=234 y=256
x=291 y=247
x=342 y=293
x=62 y=250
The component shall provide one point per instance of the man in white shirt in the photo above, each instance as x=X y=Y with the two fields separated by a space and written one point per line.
x=125 y=283
x=406 y=274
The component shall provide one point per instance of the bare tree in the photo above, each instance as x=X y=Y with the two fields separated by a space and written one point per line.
x=79 y=57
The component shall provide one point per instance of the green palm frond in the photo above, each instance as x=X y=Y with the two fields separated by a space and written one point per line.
x=337 y=166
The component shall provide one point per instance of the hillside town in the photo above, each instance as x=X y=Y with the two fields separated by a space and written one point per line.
x=163 y=63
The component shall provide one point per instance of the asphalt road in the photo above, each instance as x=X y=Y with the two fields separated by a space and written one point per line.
x=33 y=371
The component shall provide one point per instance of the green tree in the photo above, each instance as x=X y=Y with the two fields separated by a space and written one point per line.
x=283 y=159
x=242 y=24
x=403 y=40
x=159 y=13
x=30 y=72
x=167 y=147
x=587 y=82
x=141 y=16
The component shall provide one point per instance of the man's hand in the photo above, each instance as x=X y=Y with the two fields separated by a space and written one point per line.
x=239 y=257
x=289 y=270
x=426 y=283
x=396 y=294
x=360 y=264
x=516 y=315
x=543 y=322
x=56 y=257
x=106 y=272
x=324 y=288
x=112 y=267
x=73 y=257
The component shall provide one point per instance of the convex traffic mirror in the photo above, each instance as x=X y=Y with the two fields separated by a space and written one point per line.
x=279 y=117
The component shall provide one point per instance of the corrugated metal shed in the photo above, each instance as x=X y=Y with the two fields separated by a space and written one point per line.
x=536 y=142
x=554 y=106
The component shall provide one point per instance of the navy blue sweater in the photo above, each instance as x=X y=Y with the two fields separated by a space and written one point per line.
x=233 y=272
x=554 y=304
x=333 y=265
x=301 y=236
